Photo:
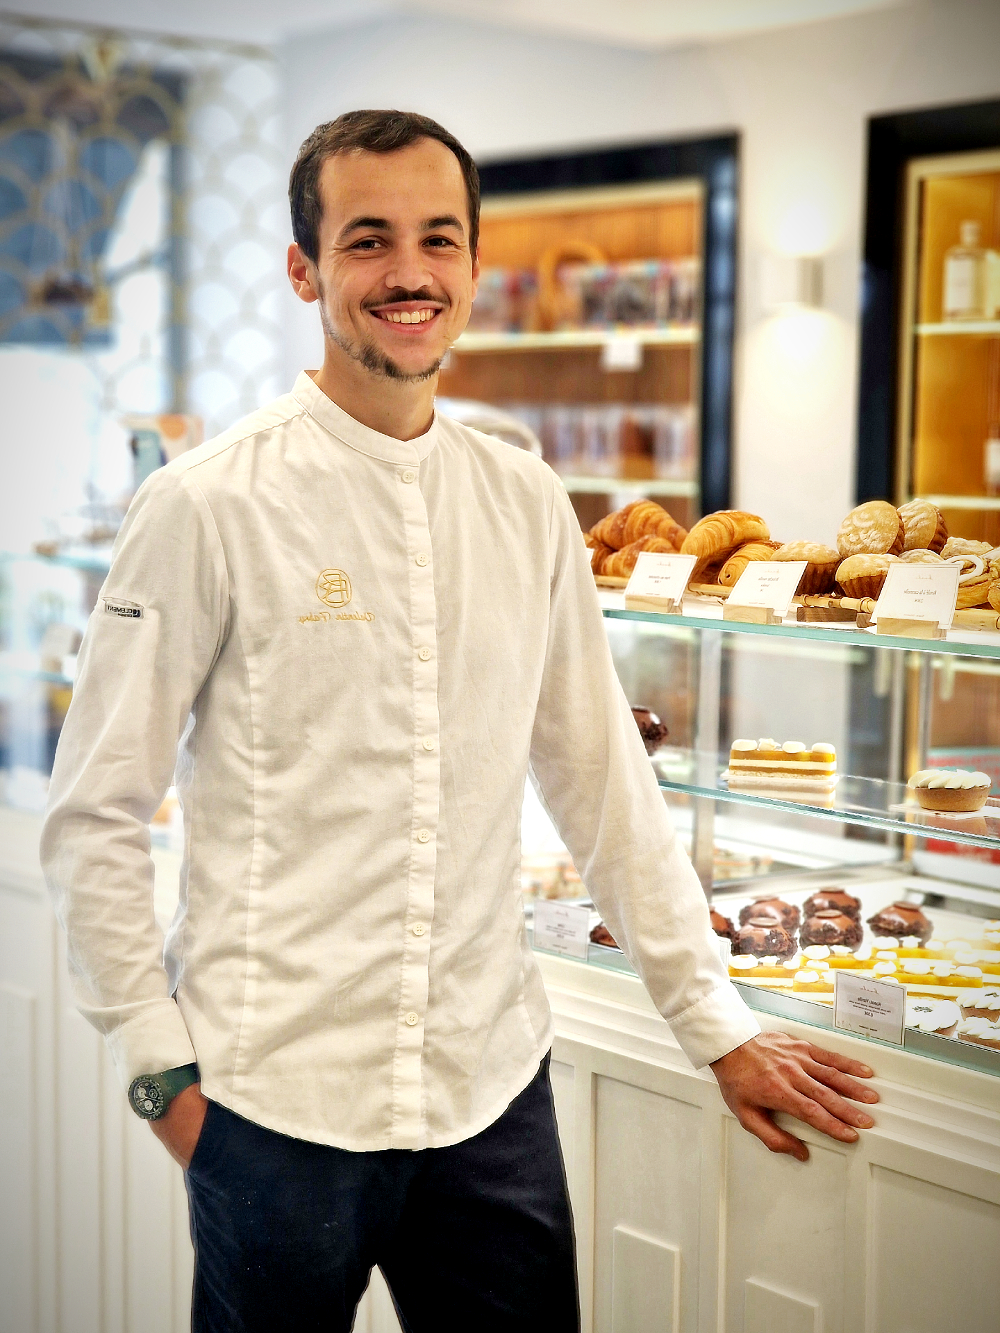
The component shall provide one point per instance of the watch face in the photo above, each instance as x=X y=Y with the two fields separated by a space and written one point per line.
x=147 y=1098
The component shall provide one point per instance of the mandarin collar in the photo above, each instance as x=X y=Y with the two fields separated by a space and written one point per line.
x=367 y=441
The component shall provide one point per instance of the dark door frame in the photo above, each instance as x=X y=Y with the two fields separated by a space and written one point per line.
x=893 y=141
x=715 y=162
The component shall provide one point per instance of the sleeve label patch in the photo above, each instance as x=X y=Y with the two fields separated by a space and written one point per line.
x=127 y=610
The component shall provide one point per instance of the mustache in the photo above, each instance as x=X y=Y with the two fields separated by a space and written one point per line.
x=402 y=294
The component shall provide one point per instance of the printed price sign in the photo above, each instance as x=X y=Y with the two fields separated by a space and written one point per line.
x=562 y=928
x=767 y=586
x=658 y=581
x=869 y=1008
x=919 y=592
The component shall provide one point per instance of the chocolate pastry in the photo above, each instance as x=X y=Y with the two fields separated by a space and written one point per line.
x=653 y=731
x=902 y=919
x=825 y=899
x=764 y=937
x=774 y=908
x=601 y=935
x=723 y=926
x=831 y=927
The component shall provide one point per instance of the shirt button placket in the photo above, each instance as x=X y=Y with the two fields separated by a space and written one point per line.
x=407 y=1091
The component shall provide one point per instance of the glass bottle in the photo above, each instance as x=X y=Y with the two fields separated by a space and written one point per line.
x=965 y=276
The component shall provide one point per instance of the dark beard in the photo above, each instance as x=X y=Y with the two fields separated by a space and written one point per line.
x=370 y=356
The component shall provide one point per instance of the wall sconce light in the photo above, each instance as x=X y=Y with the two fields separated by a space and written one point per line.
x=790 y=282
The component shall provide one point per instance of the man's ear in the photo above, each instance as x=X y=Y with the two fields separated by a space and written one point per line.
x=300 y=275
x=475 y=273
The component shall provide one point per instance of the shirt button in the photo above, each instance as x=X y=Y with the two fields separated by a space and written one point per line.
x=423 y=835
x=424 y=654
x=409 y=475
x=412 y=1020
x=427 y=743
x=422 y=559
x=419 y=928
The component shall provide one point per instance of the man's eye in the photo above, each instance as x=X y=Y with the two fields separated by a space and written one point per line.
x=369 y=243
x=440 y=242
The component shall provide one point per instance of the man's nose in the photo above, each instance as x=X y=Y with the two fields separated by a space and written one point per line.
x=409 y=268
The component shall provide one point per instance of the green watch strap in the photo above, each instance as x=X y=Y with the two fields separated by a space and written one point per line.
x=151 y=1094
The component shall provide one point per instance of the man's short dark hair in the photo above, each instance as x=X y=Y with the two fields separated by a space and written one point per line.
x=375 y=132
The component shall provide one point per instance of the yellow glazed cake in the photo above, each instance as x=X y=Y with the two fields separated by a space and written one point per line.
x=791 y=764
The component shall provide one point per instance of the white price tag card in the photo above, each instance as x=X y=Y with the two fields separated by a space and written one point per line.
x=869 y=1008
x=767 y=585
x=562 y=927
x=919 y=592
x=658 y=581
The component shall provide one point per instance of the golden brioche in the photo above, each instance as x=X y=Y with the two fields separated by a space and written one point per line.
x=873 y=528
x=924 y=527
x=611 y=530
x=863 y=575
x=820 y=572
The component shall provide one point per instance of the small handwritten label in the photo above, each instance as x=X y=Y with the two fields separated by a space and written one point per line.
x=769 y=584
x=919 y=592
x=562 y=928
x=869 y=1008
x=659 y=578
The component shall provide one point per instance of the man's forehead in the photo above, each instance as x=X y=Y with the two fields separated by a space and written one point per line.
x=420 y=173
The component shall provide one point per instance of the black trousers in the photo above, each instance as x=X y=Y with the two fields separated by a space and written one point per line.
x=475 y=1237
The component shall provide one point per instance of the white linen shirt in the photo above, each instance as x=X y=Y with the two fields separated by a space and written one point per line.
x=362 y=643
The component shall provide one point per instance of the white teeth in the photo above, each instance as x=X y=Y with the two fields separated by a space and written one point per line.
x=408 y=316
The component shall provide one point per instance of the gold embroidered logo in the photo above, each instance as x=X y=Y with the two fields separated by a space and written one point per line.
x=333 y=588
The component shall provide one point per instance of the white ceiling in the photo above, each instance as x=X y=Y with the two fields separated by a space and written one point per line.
x=646 y=24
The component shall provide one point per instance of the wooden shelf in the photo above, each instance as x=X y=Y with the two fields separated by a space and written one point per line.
x=982 y=328
x=632 y=485
x=680 y=335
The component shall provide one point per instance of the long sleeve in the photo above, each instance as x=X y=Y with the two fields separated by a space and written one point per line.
x=593 y=772
x=152 y=639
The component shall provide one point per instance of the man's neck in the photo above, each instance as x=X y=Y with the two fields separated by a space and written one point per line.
x=402 y=409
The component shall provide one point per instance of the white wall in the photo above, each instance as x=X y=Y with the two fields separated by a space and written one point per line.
x=800 y=97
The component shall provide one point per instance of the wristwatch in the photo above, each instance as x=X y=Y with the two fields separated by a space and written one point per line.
x=151 y=1094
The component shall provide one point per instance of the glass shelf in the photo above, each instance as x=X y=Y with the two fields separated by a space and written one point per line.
x=638 y=485
x=684 y=335
x=95 y=564
x=980 y=502
x=707 y=616
x=983 y=328
x=871 y=802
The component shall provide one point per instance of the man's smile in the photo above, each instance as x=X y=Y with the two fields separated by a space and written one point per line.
x=406 y=313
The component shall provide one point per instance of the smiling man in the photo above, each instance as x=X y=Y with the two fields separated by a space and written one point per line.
x=365 y=624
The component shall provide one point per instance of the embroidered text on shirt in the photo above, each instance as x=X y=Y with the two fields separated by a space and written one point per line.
x=127 y=610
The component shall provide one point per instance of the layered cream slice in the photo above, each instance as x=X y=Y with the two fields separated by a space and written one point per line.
x=788 y=766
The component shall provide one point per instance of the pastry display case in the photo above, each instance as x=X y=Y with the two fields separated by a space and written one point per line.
x=815 y=860
x=948 y=411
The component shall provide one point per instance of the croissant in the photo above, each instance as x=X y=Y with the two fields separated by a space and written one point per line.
x=739 y=560
x=611 y=530
x=598 y=552
x=620 y=564
x=648 y=519
x=721 y=533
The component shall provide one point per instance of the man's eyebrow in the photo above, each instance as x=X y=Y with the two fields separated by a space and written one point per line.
x=365 y=224
x=445 y=220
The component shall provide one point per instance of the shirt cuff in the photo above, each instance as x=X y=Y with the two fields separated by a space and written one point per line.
x=714 y=1025
x=153 y=1041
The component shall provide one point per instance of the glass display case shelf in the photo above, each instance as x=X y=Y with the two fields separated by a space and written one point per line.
x=969 y=327
x=984 y=644
x=630 y=485
x=674 y=335
x=872 y=802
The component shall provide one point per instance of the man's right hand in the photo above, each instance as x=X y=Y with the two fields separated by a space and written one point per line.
x=180 y=1129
